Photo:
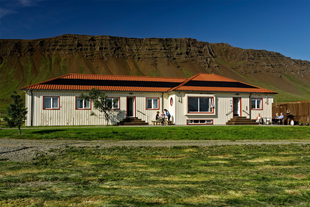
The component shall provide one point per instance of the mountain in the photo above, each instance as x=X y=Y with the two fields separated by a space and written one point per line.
x=24 y=62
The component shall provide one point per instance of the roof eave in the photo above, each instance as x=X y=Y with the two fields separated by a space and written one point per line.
x=221 y=91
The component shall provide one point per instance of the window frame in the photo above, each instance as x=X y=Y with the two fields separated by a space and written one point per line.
x=90 y=102
x=58 y=108
x=152 y=98
x=261 y=106
x=198 y=112
x=119 y=103
x=199 y=120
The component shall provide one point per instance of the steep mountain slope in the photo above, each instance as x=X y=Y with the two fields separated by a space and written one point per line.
x=24 y=62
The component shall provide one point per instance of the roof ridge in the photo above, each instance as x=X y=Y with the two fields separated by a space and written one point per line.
x=186 y=81
x=133 y=76
x=223 y=77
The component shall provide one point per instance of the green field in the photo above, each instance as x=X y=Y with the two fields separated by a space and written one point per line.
x=163 y=133
x=244 y=175
x=149 y=176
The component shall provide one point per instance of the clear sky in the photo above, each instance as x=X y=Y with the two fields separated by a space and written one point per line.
x=276 y=25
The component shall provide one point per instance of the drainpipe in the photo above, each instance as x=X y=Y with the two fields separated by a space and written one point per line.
x=162 y=101
x=31 y=108
x=250 y=105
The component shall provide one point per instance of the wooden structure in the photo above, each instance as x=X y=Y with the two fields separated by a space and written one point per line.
x=298 y=111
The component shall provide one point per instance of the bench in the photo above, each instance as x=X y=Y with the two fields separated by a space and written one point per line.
x=159 y=122
x=156 y=122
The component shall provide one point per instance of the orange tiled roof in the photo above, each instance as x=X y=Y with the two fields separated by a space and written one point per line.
x=199 y=82
x=225 y=89
x=88 y=88
x=122 y=78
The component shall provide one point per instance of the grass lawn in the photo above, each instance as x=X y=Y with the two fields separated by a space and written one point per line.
x=163 y=133
x=245 y=175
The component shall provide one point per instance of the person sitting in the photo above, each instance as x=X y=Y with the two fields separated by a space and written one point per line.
x=159 y=118
x=280 y=118
x=259 y=119
x=163 y=115
x=167 y=114
x=275 y=119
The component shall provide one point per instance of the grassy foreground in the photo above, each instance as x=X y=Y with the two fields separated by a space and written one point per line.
x=143 y=176
x=163 y=133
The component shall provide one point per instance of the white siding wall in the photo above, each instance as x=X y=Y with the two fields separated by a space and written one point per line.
x=267 y=106
x=171 y=108
x=223 y=110
x=68 y=115
x=28 y=106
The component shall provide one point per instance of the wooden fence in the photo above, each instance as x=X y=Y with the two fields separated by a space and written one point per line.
x=299 y=110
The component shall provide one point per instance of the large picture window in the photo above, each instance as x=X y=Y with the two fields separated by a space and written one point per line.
x=114 y=101
x=82 y=104
x=50 y=102
x=152 y=103
x=257 y=103
x=200 y=105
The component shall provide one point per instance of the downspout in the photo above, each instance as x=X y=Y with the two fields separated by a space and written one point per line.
x=31 y=108
x=250 y=109
x=162 y=101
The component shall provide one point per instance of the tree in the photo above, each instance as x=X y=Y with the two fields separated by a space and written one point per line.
x=16 y=112
x=101 y=102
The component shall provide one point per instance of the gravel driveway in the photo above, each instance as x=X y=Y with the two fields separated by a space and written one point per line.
x=26 y=150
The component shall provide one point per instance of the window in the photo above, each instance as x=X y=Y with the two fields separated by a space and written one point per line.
x=199 y=122
x=200 y=104
x=171 y=101
x=114 y=102
x=257 y=103
x=82 y=104
x=152 y=103
x=50 y=102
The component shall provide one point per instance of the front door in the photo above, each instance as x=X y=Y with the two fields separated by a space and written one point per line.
x=237 y=106
x=131 y=112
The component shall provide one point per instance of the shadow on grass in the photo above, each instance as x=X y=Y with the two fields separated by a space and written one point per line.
x=48 y=131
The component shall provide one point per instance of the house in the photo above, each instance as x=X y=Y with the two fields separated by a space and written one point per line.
x=204 y=99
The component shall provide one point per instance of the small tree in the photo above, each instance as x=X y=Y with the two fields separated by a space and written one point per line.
x=16 y=112
x=101 y=102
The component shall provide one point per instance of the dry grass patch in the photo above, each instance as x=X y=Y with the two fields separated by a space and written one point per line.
x=21 y=171
x=201 y=199
x=171 y=157
x=219 y=161
x=133 y=165
x=268 y=159
x=191 y=150
x=221 y=156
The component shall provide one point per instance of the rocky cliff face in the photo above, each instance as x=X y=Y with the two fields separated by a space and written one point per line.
x=24 y=62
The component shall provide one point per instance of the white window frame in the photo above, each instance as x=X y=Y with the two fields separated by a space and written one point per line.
x=211 y=105
x=52 y=105
x=77 y=99
x=117 y=107
x=153 y=107
x=255 y=106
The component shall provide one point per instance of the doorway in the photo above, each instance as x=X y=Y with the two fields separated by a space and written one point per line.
x=131 y=108
x=237 y=106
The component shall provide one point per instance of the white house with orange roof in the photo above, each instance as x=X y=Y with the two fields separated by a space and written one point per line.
x=204 y=99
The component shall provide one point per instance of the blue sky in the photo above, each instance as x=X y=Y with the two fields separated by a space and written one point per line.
x=276 y=25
